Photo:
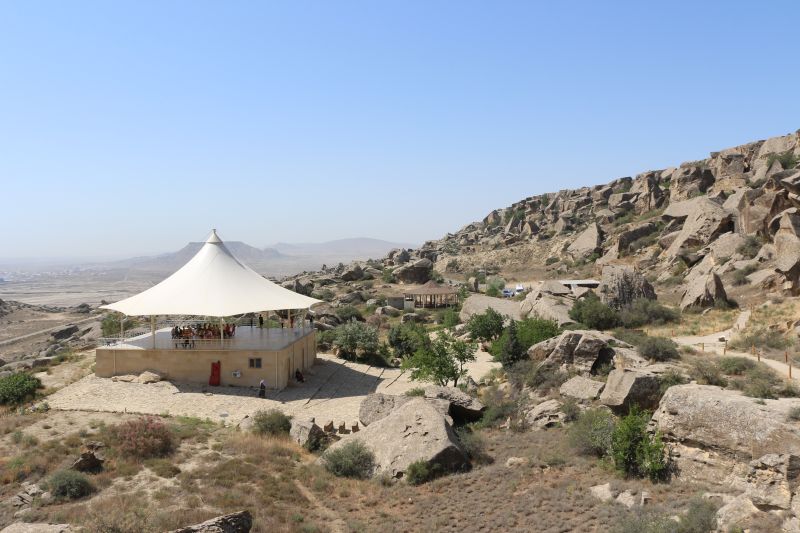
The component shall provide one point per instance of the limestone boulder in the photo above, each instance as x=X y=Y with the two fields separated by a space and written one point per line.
x=239 y=522
x=546 y=414
x=587 y=243
x=584 y=351
x=415 y=431
x=306 y=432
x=707 y=222
x=65 y=333
x=581 y=388
x=547 y=306
x=31 y=527
x=461 y=406
x=727 y=422
x=352 y=273
x=621 y=284
x=771 y=480
x=147 y=377
x=626 y=387
x=418 y=271
x=703 y=291
x=738 y=513
x=787 y=247
x=687 y=182
x=376 y=406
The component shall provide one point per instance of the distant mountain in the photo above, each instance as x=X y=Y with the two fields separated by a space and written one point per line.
x=169 y=262
x=351 y=249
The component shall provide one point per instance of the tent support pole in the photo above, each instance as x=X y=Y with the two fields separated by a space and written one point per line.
x=122 y=327
x=221 y=333
x=153 y=329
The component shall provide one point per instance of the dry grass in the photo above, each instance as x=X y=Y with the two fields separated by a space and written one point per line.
x=694 y=324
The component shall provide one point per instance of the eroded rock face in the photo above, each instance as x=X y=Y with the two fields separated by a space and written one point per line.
x=462 y=406
x=240 y=522
x=544 y=415
x=306 y=432
x=581 y=388
x=771 y=480
x=417 y=272
x=620 y=285
x=377 y=405
x=628 y=387
x=581 y=350
x=703 y=291
x=415 y=431
x=587 y=243
x=727 y=422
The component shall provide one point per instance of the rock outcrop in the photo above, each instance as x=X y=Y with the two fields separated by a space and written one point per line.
x=620 y=285
x=628 y=387
x=415 y=431
x=240 y=522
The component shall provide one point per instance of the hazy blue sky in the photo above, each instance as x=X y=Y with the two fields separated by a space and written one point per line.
x=133 y=127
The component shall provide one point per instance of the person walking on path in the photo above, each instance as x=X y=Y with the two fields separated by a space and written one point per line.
x=262 y=389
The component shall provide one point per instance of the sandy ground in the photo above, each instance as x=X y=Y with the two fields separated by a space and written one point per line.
x=333 y=391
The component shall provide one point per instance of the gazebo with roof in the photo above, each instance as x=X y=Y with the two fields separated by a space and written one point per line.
x=213 y=287
x=432 y=294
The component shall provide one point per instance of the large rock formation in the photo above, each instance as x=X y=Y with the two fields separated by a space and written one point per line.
x=620 y=285
x=415 y=431
x=417 y=272
x=628 y=387
x=727 y=422
x=704 y=291
x=240 y=522
x=587 y=243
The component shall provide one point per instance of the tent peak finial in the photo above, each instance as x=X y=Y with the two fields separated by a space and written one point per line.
x=213 y=238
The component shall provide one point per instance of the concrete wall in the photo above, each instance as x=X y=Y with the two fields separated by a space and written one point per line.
x=194 y=366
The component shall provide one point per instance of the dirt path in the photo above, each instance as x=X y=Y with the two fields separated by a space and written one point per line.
x=714 y=343
x=335 y=521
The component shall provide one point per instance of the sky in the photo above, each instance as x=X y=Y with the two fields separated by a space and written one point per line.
x=133 y=127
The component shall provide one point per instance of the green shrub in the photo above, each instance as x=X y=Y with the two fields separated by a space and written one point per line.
x=353 y=338
x=750 y=247
x=646 y=521
x=473 y=445
x=69 y=485
x=594 y=314
x=420 y=472
x=701 y=517
x=144 y=438
x=534 y=330
x=570 y=409
x=707 y=373
x=495 y=286
x=17 y=388
x=272 y=422
x=658 y=349
x=643 y=311
x=760 y=338
x=353 y=460
x=787 y=159
x=545 y=378
x=405 y=339
x=110 y=325
x=669 y=379
x=416 y=391
x=325 y=339
x=348 y=312
x=485 y=326
x=511 y=351
x=740 y=276
x=635 y=452
x=550 y=260
x=450 y=318
x=592 y=431
x=735 y=366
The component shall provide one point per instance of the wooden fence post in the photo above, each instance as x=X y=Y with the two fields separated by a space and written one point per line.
x=702 y=347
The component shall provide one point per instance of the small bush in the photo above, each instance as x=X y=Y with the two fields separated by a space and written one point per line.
x=17 y=388
x=635 y=452
x=701 y=517
x=416 y=391
x=69 y=485
x=760 y=338
x=707 y=373
x=740 y=276
x=546 y=378
x=592 y=431
x=354 y=339
x=272 y=422
x=670 y=379
x=787 y=159
x=658 y=349
x=473 y=444
x=144 y=437
x=643 y=311
x=794 y=414
x=485 y=326
x=405 y=339
x=348 y=312
x=550 y=260
x=750 y=247
x=570 y=409
x=594 y=314
x=420 y=472
x=735 y=366
x=353 y=460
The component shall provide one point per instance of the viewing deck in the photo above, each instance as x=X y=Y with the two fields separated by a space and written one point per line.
x=246 y=339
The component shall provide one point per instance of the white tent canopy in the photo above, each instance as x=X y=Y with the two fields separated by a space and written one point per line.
x=212 y=283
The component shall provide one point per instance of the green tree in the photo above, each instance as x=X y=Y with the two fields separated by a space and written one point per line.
x=512 y=351
x=634 y=451
x=485 y=326
x=441 y=361
x=354 y=337
x=405 y=339
x=593 y=313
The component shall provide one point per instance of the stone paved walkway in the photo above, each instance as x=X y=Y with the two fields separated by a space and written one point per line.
x=333 y=391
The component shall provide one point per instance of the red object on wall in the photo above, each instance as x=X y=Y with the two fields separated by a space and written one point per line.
x=215 y=374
